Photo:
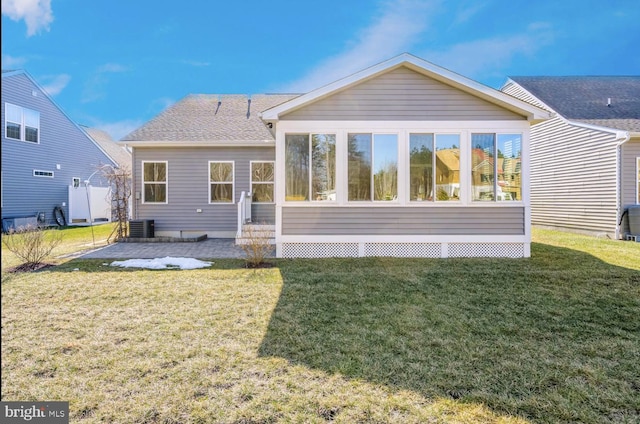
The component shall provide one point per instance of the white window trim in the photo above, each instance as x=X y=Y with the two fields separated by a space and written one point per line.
x=495 y=168
x=43 y=176
x=403 y=128
x=233 y=182
x=23 y=127
x=434 y=201
x=166 y=182
x=310 y=173
x=251 y=182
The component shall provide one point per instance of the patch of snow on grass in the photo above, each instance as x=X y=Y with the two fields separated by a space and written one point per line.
x=163 y=263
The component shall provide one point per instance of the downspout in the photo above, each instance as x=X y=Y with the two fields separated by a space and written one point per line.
x=623 y=136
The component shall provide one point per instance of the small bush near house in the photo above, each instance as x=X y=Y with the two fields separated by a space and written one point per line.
x=257 y=246
x=31 y=244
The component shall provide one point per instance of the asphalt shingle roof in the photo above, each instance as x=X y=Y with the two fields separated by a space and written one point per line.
x=117 y=152
x=212 y=118
x=584 y=98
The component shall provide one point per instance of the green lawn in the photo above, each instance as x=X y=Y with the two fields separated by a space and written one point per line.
x=554 y=338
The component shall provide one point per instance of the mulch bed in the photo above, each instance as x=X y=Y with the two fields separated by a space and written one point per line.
x=260 y=265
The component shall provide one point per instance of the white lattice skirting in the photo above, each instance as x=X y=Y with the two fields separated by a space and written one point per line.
x=403 y=250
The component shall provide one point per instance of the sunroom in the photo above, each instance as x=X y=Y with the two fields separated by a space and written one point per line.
x=358 y=174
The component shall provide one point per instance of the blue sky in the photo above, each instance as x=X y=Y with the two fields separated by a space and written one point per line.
x=116 y=64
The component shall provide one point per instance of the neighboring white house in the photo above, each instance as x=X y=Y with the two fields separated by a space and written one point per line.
x=401 y=159
x=585 y=162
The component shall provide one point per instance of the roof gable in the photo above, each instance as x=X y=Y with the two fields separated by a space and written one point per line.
x=403 y=94
x=419 y=66
x=7 y=76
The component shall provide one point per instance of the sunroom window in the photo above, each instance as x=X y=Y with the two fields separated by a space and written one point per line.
x=373 y=167
x=439 y=182
x=310 y=166
x=496 y=167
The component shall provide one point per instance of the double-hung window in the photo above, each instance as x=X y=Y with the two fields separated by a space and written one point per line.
x=496 y=167
x=21 y=123
x=262 y=182
x=310 y=167
x=154 y=182
x=434 y=167
x=221 y=182
x=373 y=167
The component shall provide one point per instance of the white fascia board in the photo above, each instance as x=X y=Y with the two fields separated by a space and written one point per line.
x=429 y=69
x=620 y=134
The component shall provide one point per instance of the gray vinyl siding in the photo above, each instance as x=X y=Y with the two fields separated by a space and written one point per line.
x=401 y=94
x=629 y=174
x=61 y=143
x=573 y=174
x=573 y=178
x=358 y=220
x=188 y=188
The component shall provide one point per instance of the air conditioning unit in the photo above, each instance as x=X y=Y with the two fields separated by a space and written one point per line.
x=141 y=228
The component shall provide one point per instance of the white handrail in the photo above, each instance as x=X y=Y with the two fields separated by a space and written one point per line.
x=244 y=211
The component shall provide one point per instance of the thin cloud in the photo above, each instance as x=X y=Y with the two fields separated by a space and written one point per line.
x=36 y=14
x=54 y=84
x=196 y=63
x=467 y=10
x=12 y=62
x=398 y=28
x=488 y=56
x=95 y=87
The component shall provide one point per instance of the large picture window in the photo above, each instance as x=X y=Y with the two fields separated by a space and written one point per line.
x=434 y=167
x=373 y=167
x=21 y=123
x=310 y=167
x=154 y=182
x=220 y=182
x=496 y=167
x=262 y=182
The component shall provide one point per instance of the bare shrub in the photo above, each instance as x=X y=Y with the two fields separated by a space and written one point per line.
x=32 y=244
x=256 y=245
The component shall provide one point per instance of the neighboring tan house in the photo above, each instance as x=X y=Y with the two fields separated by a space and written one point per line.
x=348 y=169
x=585 y=162
x=44 y=154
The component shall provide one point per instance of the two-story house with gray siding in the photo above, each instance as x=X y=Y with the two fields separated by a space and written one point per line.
x=401 y=159
x=585 y=162
x=43 y=152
